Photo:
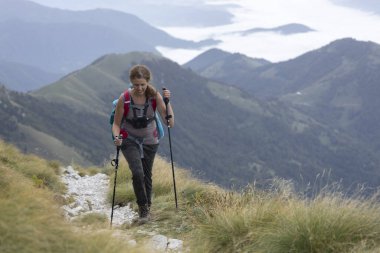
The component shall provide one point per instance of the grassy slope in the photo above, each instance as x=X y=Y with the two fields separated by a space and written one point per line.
x=31 y=220
x=209 y=219
x=52 y=130
x=55 y=148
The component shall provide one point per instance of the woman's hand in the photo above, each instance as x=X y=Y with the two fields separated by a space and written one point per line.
x=166 y=94
x=165 y=108
x=118 y=140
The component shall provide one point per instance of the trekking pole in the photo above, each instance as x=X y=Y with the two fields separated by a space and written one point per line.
x=115 y=163
x=166 y=100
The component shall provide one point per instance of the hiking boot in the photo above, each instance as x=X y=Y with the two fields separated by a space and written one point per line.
x=144 y=215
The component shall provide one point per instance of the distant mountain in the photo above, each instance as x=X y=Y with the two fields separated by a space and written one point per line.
x=222 y=134
x=317 y=70
x=338 y=84
x=62 y=41
x=185 y=13
x=62 y=48
x=287 y=29
x=346 y=93
x=21 y=77
x=223 y=66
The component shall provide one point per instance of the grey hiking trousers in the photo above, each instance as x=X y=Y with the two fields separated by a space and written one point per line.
x=141 y=169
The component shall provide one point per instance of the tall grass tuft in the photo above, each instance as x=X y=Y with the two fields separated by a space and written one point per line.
x=326 y=224
x=280 y=221
x=43 y=173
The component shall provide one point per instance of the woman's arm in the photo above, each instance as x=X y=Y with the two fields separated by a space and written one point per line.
x=162 y=107
x=119 y=111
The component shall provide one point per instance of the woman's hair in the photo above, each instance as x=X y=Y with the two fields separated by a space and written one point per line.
x=142 y=71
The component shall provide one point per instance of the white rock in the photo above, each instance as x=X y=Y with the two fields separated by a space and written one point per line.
x=132 y=243
x=90 y=194
x=159 y=242
x=175 y=244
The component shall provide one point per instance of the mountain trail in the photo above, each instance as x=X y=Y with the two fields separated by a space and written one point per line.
x=89 y=195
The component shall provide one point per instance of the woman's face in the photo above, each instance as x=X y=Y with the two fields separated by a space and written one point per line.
x=139 y=85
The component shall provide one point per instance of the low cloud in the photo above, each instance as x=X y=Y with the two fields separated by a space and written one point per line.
x=331 y=20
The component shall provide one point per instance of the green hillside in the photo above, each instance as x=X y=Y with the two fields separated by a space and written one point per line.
x=52 y=130
x=94 y=87
x=337 y=84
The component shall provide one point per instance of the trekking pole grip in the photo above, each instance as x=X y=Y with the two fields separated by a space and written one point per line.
x=166 y=100
x=115 y=161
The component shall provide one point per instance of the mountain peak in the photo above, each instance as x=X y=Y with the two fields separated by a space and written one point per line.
x=351 y=48
x=346 y=43
x=209 y=56
x=216 y=52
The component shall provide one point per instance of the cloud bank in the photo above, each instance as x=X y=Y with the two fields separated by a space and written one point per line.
x=331 y=20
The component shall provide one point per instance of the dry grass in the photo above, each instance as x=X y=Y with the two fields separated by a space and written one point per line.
x=31 y=220
x=278 y=221
x=209 y=219
x=44 y=173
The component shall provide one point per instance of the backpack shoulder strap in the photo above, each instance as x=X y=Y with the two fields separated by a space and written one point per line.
x=127 y=102
x=153 y=101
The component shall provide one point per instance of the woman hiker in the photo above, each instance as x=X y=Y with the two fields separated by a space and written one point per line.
x=139 y=133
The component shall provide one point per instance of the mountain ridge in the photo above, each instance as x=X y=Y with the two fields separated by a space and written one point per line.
x=265 y=138
x=215 y=63
x=336 y=84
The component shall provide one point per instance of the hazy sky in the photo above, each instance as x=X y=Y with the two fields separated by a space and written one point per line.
x=203 y=19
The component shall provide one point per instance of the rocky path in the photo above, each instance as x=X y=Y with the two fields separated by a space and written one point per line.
x=89 y=194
